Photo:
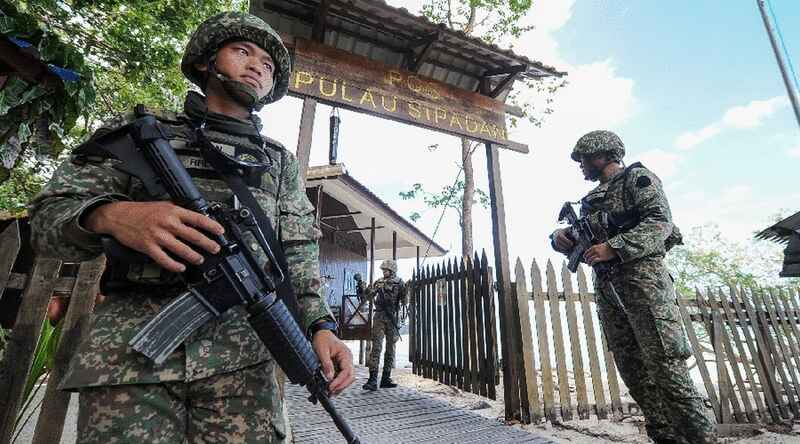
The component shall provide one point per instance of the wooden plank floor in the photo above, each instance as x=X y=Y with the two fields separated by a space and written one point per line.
x=399 y=415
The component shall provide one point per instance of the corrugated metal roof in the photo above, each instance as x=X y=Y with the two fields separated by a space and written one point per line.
x=783 y=230
x=380 y=32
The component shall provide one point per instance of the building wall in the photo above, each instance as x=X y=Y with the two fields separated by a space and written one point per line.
x=337 y=266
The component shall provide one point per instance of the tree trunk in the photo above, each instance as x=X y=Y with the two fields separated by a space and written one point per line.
x=469 y=193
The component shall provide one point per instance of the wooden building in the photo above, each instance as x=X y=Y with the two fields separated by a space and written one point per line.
x=359 y=230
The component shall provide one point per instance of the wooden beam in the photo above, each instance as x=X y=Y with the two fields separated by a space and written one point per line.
x=415 y=62
x=303 y=152
x=505 y=70
x=394 y=245
x=336 y=216
x=507 y=80
x=371 y=228
x=503 y=278
x=320 y=16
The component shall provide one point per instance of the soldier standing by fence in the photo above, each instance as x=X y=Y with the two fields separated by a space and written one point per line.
x=221 y=385
x=643 y=326
x=389 y=292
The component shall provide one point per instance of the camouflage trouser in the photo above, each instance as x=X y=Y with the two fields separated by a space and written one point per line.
x=382 y=326
x=650 y=349
x=243 y=407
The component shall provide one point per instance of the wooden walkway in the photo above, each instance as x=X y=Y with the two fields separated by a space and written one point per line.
x=399 y=415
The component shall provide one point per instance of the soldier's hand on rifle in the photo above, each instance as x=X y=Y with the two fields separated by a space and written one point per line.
x=333 y=353
x=157 y=229
x=562 y=241
x=599 y=253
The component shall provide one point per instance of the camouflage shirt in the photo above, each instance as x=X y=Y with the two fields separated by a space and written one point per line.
x=634 y=192
x=223 y=345
x=389 y=292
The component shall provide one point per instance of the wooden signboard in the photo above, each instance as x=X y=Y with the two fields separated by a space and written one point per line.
x=351 y=81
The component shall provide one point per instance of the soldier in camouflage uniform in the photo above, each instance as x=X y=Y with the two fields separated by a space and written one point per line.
x=220 y=385
x=644 y=331
x=389 y=292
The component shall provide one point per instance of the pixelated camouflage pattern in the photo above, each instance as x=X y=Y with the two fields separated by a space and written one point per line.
x=215 y=31
x=598 y=141
x=223 y=345
x=647 y=337
x=243 y=406
x=388 y=293
x=382 y=327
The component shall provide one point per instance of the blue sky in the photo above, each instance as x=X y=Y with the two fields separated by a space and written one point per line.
x=692 y=87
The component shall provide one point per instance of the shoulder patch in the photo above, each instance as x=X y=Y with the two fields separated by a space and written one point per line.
x=643 y=182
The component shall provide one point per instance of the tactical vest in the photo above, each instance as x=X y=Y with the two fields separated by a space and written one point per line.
x=180 y=134
x=622 y=221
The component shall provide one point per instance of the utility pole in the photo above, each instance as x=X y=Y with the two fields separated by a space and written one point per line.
x=790 y=87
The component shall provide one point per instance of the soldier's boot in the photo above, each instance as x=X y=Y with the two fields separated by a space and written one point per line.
x=386 y=379
x=372 y=382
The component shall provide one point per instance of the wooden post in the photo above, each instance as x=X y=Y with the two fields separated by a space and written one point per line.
x=503 y=270
x=22 y=343
x=303 y=152
x=394 y=245
x=368 y=347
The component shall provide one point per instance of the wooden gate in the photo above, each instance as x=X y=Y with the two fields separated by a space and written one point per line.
x=453 y=327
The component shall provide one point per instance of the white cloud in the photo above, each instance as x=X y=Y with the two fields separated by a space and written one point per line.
x=747 y=116
x=753 y=114
x=664 y=163
x=693 y=138
x=794 y=152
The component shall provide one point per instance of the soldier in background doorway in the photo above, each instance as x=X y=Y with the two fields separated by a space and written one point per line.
x=389 y=292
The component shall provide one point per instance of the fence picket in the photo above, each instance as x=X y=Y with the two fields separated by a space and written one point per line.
x=731 y=358
x=783 y=321
x=558 y=341
x=473 y=329
x=760 y=409
x=448 y=325
x=611 y=373
x=575 y=344
x=480 y=327
x=699 y=358
x=465 y=323
x=770 y=353
x=530 y=396
x=22 y=343
x=541 y=335
x=744 y=319
x=782 y=351
x=601 y=410
x=491 y=328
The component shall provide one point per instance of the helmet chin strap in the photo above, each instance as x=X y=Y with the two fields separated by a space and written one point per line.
x=242 y=93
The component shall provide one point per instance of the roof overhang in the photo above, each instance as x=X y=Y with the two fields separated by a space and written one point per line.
x=394 y=36
x=365 y=205
x=782 y=231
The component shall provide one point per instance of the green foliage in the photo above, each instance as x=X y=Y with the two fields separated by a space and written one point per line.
x=43 y=362
x=491 y=19
x=24 y=182
x=450 y=197
x=709 y=260
x=127 y=52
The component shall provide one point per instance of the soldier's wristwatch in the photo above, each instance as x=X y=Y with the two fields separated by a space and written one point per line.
x=322 y=325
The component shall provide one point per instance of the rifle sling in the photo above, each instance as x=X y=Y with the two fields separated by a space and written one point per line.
x=242 y=192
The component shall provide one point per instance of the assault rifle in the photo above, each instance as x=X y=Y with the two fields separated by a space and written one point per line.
x=580 y=231
x=229 y=278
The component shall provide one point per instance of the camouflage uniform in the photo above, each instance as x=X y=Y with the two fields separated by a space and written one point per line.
x=220 y=385
x=388 y=293
x=646 y=334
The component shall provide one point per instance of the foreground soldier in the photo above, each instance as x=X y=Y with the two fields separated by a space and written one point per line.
x=389 y=292
x=220 y=386
x=645 y=333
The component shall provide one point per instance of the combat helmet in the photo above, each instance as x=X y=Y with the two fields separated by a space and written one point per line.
x=598 y=141
x=213 y=33
x=390 y=265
